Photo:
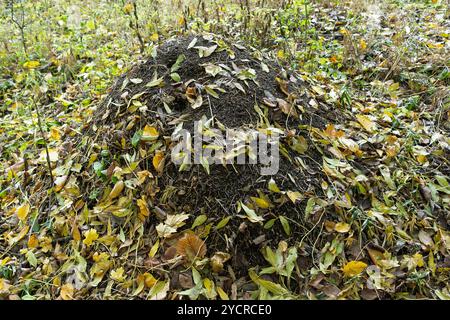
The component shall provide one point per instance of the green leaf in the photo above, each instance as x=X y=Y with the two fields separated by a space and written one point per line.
x=199 y=221
x=309 y=206
x=285 y=224
x=31 y=258
x=269 y=224
x=222 y=223
x=273 y=186
x=177 y=63
x=211 y=92
x=251 y=214
x=136 y=138
x=175 y=77
x=155 y=82
x=269 y=285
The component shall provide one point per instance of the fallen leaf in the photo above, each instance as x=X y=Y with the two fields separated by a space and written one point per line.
x=217 y=261
x=191 y=247
x=90 y=236
x=158 y=162
x=149 y=133
x=31 y=64
x=260 y=202
x=117 y=190
x=22 y=211
x=354 y=268
x=67 y=291
x=366 y=123
x=342 y=227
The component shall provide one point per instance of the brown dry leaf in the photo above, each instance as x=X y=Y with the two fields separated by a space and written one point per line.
x=329 y=225
x=185 y=280
x=191 y=247
x=170 y=253
x=375 y=255
x=283 y=84
x=191 y=94
x=75 y=232
x=425 y=238
x=287 y=108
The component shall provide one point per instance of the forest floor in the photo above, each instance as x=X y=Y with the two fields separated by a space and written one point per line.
x=91 y=207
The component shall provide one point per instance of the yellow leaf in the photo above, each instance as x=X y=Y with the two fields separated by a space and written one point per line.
x=52 y=154
x=31 y=64
x=90 y=236
x=115 y=192
x=56 y=281
x=158 y=162
x=294 y=196
x=149 y=280
x=354 y=268
x=143 y=208
x=117 y=274
x=366 y=123
x=342 y=227
x=421 y=158
x=154 y=249
x=67 y=291
x=60 y=182
x=222 y=294
x=419 y=260
x=33 y=241
x=362 y=44
x=149 y=133
x=54 y=134
x=128 y=8
x=260 y=202
x=154 y=37
x=22 y=211
x=280 y=54
x=75 y=232
x=19 y=236
x=344 y=31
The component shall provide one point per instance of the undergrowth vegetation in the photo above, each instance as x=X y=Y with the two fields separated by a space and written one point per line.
x=378 y=227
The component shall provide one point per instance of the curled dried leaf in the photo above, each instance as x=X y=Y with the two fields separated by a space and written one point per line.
x=191 y=247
